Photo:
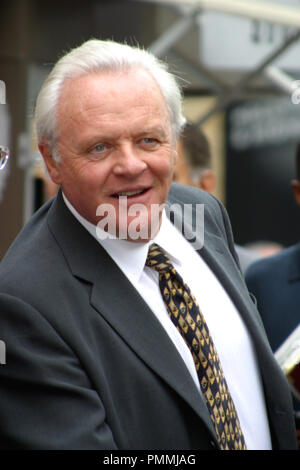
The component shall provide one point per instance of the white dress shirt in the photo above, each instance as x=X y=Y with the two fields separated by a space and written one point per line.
x=226 y=327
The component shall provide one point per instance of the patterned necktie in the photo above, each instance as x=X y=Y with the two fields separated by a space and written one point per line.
x=187 y=317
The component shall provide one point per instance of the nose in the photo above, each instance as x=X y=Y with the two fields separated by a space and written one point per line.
x=129 y=162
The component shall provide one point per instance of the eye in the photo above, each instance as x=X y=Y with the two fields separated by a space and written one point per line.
x=99 y=151
x=99 y=148
x=149 y=142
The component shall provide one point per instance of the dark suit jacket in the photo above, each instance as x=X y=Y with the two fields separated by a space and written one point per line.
x=88 y=364
x=275 y=282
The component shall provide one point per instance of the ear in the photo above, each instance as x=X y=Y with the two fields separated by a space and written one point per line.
x=207 y=181
x=296 y=189
x=175 y=155
x=53 y=166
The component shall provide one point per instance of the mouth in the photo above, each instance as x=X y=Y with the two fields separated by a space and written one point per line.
x=129 y=194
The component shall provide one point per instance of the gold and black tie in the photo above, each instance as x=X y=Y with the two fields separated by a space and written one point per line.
x=187 y=317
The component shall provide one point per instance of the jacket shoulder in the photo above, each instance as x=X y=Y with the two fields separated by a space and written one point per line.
x=275 y=265
x=31 y=259
x=190 y=194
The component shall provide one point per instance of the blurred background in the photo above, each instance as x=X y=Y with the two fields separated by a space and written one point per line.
x=239 y=61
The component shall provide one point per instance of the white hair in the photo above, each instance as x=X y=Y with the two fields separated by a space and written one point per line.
x=94 y=56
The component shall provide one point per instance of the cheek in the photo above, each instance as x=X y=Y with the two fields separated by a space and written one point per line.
x=164 y=166
x=90 y=175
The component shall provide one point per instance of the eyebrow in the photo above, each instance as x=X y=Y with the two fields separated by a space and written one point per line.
x=160 y=131
x=153 y=130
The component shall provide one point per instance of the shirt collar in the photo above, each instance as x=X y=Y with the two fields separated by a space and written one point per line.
x=129 y=256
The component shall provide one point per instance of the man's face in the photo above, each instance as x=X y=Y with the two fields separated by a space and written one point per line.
x=114 y=140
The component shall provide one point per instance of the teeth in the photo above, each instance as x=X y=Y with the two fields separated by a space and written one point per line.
x=129 y=193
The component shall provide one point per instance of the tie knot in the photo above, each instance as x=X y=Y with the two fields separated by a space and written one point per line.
x=158 y=259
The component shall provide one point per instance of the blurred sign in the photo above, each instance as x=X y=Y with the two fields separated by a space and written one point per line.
x=261 y=140
x=262 y=123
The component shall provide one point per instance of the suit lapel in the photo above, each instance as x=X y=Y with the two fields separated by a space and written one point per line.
x=114 y=297
x=129 y=315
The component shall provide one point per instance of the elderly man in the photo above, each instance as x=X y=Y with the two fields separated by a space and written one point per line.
x=120 y=333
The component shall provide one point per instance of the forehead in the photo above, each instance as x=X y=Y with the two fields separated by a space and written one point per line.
x=107 y=96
